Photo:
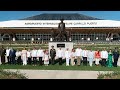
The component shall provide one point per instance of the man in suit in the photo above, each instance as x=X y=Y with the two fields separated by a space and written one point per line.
x=2 y=55
x=52 y=55
x=115 y=56
x=12 y=55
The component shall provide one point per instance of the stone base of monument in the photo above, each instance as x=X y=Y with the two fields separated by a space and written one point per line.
x=63 y=45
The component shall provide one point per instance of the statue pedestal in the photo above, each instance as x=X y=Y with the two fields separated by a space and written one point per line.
x=63 y=45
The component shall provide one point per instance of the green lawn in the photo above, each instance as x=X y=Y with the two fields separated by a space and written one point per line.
x=63 y=67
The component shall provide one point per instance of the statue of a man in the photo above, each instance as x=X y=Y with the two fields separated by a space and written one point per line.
x=62 y=36
x=61 y=25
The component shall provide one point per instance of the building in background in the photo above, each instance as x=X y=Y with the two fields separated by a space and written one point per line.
x=37 y=29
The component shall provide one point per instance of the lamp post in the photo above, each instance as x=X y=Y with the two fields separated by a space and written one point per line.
x=88 y=39
x=96 y=38
x=111 y=39
x=38 y=38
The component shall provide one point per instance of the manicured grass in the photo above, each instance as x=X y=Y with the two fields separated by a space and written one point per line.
x=62 y=67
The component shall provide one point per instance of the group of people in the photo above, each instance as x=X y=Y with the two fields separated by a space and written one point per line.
x=24 y=57
x=80 y=56
x=76 y=56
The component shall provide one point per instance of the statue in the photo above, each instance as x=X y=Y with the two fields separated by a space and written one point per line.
x=61 y=26
x=62 y=35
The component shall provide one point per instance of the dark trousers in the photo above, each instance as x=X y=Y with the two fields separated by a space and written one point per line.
x=85 y=61
x=40 y=60
x=29 y=61
x=12 y=60
x=34 y=60
x=19 y=61
x=60 y=61
x=52 y=60
x=115 y=62
x=104 y=62
x=8 y=59
x=3 y=59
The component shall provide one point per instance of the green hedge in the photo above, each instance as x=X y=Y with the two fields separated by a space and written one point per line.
x=112 y=75
x=11 y=75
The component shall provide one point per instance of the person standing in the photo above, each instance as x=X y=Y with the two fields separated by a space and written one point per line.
x=52 y=55
x=24 y=56
x=97 y=57
x=18 y=57
x=90 y=57
x=7 y=55
x=34 y=56
x=40 y=55
x=46 y=58
x=84 y=55
x=110 y=59
x=78 y=54
x=2 y=54
x=67 y=56
x=115 y=56
x=29 y=57
x=72 y=56
x=104 y=57
x=12 y=56
x=60 y=55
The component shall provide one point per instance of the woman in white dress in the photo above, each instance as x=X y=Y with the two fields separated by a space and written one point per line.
x=90 y=57
x=72 y=56
x=46 y=58
x=67 y=57
x=24 y=56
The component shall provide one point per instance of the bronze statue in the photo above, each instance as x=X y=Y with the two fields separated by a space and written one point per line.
x=62 y=35
x=61 y=26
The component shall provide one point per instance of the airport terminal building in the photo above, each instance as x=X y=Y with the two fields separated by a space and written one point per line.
x=38 y=28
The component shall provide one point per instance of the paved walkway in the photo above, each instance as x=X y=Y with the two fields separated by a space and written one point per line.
x=59 y=74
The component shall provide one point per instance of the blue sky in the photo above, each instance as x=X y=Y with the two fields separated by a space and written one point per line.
x=14 y=15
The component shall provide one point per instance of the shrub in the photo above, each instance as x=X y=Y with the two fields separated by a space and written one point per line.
x=112 y=75
x=11 y=75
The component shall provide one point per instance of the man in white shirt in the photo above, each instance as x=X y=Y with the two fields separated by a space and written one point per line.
x=84 y=55
x=78 y=54
x=34 y=56
x=7 y=55
x=40 y=55
x=104 y=56
x=60 y=55
x=18 y=57
x=29 y=59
